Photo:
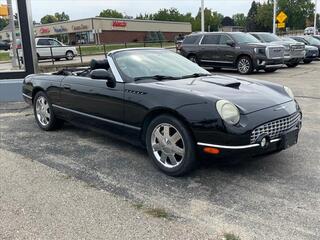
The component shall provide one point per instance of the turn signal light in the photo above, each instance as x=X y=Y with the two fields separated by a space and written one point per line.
x=211 y=150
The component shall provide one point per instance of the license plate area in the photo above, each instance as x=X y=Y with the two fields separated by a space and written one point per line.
x=289 y=139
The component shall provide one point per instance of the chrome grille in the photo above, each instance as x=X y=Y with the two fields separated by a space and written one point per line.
x=297 y=51
x=275 y=52
x=275 y=128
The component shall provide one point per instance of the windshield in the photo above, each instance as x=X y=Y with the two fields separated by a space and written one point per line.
x=137 y=64
x=244 y=38
x=313 y=41
x=269 y=37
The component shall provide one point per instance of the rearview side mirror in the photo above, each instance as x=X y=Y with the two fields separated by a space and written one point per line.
x=103 y=74
x=231 y=43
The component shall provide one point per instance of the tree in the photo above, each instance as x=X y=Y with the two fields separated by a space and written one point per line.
x=3 y=23
x=212 y=20
x=48 y=19
x=62 y=17
x=264 y=18
x=251 y=24
x=109 y=13
x=227 y=21
x=298 y=11
x=239 y=19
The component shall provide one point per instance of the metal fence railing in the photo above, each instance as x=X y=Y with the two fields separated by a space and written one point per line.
x=91 y=50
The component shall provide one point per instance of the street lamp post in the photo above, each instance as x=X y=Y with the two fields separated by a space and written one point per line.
x=274 y=16
x=202 y=15
x=13 y=33
x=315 y=17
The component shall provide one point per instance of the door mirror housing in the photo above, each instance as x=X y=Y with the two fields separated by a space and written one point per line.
x=231 y=43
x=103 y=74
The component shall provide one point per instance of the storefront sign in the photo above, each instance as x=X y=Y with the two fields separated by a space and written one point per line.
x=80 y=27
x=60 y=29
x=44 y=30
x=119 y=24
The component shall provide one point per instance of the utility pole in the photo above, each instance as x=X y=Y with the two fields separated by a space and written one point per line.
x=274 y=16
x=12 y=28
x=202 y=15
x=315 y=17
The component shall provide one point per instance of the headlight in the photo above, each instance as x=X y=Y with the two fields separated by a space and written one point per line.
x=289 y=92
x=260 y=51
x=228 y=112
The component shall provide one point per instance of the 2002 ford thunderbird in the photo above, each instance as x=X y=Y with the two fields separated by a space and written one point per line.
x=173 y=107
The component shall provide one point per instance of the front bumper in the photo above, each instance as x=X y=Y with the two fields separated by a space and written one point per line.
x=251 y=150
x=264 y=63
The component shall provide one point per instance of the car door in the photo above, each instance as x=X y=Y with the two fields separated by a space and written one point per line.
x=208 y=52
x=58 y=50
x=88 y=101
x=226 y=53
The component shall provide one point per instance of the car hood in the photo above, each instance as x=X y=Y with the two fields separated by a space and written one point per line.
x=310 y=48
x=286 y=43
x=248 y=95
x=262 y=44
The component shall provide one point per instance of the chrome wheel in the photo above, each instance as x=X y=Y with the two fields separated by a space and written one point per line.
x=43 y=111
x=244 y=65
x=167 y=145
x=193 y=59
x=70 y=55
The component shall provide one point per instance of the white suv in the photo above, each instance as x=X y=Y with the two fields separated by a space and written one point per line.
x=48 y=48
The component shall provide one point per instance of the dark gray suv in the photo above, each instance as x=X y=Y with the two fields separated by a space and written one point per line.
x=232 y=50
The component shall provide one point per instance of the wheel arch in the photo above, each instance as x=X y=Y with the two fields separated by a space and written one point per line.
x=244 y=55
x=35 y=91
x=162 y=111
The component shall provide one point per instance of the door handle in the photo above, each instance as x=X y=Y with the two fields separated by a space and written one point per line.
x=66 y=86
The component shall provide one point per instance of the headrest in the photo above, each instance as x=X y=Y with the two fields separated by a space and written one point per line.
x=99 y=64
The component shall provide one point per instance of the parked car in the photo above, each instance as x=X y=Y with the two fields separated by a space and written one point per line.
x=176 y=109
x=311 y=31
x=308 y=40
x=232 y=50
x=4 y=45
x=294 y=52
x=312 y=52
x=317 y=36
x=48 y=48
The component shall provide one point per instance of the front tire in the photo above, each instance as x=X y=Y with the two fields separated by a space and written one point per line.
x=171 y=146
x=307 y=61
x=43 y=113
x=292 y=65
x=270 y=70
x=245 y=65
x=193 y=58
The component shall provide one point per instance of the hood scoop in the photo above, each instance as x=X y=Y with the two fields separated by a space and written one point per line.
x=225 y=82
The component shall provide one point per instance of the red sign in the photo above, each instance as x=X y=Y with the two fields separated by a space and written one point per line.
x=44 y=30
x=122 y=24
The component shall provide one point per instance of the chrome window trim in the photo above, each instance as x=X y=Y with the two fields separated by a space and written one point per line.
x=114 y=69
x=98 y=118
x=235 y=147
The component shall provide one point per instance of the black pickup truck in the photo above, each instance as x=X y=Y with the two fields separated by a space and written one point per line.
x=232 y=50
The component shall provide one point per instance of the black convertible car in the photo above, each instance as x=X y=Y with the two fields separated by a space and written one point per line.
x=176 y=109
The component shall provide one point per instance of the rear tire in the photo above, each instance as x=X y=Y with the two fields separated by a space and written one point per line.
x=69 y=55
x=270 y=70
x=245 y=65
x=44 y=114
x=171 y=146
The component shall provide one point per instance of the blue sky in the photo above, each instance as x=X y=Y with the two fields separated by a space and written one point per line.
x=89 y=8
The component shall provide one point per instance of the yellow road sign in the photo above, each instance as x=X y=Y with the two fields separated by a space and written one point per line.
x=282 y=17
x=3 y=10
x=281 y=25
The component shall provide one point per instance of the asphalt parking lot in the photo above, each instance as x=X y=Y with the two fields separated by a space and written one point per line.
x=270 y=197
